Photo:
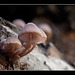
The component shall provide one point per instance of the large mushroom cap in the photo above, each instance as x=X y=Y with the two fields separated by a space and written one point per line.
x=33 y=33
x=11 y=44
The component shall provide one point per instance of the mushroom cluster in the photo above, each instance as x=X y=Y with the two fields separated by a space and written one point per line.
x=29 y=36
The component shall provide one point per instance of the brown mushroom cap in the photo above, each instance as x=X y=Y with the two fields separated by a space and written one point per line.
x=33 y=33
x=11 y=44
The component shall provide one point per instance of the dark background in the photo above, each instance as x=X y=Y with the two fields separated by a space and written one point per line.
x=28 y=12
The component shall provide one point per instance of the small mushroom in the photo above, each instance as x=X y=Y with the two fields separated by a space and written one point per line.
x=11 y=44
x=47 y=29
x=19 y=22
x=31 y=35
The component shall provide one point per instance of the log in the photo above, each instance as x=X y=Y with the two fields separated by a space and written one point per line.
x=35 y=60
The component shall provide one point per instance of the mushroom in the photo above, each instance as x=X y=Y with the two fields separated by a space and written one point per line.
x=47 y=29
x=30 y=35
x=11 y=44
x=19 y=22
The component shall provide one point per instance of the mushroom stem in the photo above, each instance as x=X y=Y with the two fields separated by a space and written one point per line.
x=20 y=54
x=22 y=50
x=14 y=59
x=27 y=47
x=28 y=51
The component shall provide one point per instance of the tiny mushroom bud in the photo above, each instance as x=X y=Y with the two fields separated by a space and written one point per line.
x=31 y=35
x=19 y=22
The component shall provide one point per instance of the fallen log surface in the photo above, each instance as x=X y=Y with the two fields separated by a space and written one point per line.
x=35 y=60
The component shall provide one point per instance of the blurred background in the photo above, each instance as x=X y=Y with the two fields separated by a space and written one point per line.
x=60 y=18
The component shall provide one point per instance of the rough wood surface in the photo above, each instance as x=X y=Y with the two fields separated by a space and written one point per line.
x=37 y=61
x=34 y=60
